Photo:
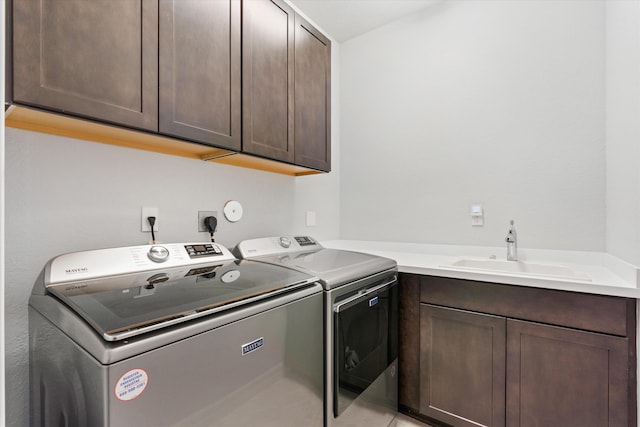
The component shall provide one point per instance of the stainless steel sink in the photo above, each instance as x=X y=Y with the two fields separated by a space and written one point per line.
x=520 y=268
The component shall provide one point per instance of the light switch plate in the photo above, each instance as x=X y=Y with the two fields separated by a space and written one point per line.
x=477 y=215
x=310 y=219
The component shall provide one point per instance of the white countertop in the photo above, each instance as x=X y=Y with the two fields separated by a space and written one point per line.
x=608 y=275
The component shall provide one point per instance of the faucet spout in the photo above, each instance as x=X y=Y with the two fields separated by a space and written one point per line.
x=512 y=243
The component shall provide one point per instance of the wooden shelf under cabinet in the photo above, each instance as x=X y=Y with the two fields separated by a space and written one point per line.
x=35 y=120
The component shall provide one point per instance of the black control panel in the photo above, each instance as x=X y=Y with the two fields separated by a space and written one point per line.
x=197 y=251
x=305 y=240
x=201 y=270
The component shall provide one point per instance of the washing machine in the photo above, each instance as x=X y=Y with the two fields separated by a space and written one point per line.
x=174 y=335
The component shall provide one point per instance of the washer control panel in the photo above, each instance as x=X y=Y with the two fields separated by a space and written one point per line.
x=132 y=259
x=199 y=250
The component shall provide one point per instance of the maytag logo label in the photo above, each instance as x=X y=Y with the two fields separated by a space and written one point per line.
x=252 y=346
x=76 y=286
x=76 y=270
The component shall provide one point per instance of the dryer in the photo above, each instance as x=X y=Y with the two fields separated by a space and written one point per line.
x=360 y=322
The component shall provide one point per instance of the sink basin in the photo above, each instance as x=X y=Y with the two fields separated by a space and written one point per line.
x=520 y=268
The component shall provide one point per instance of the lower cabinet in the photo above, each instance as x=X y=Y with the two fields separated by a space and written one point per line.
x=499 y=355
x=564 y=377
x=462 y=366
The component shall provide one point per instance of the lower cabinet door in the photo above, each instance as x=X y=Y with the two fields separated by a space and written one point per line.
x=462 y=367
x=565 y=377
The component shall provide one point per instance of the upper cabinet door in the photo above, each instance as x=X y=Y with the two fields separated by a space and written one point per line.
x=268 y=67
x=312 y=97
x=200 y=71
x=97 y=58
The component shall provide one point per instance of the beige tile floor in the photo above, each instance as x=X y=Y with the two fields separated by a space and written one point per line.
x=405 y=421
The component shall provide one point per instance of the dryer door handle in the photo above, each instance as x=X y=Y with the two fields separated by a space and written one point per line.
x=363 y=295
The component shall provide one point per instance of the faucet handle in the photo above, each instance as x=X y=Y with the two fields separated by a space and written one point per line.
x=511 y=233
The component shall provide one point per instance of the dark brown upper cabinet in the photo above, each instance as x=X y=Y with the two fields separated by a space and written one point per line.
x=267 y=70
x=286 y=86
x=203 y=78
x=312 y=101
x=200 y=71
x=97 y=59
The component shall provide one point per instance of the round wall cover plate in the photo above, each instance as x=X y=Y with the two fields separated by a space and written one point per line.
x=233 y=211
x=230 y=276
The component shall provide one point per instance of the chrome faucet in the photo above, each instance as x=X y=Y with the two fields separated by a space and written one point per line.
x=512 y=243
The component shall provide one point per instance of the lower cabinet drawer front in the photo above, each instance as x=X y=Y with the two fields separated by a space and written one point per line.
x=597 y=313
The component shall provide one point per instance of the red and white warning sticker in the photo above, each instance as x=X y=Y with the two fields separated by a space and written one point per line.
x=131 y=384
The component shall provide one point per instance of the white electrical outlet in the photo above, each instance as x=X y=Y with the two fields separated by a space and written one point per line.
x=146 y=213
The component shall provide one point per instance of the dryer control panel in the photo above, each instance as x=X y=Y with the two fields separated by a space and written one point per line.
x=305 y=241
x=275 y=245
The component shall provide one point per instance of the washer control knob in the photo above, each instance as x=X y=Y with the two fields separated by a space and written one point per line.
x=158 y=254
x=285 y=242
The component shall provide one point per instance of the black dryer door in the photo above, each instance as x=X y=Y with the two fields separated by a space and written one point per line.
x=365 y=340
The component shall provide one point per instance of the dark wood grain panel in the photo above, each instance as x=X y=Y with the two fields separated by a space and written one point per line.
x=312 y=97
x=409 y=342
x=462 y=361
x=200 y=71
x=563 y=377
x=96 y=59
x=8 y=46
x=268 y=74
x=598 y=313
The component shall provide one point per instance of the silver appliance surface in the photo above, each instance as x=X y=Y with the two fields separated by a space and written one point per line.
x=334 y=267
x=360 y=315
x=196 y=338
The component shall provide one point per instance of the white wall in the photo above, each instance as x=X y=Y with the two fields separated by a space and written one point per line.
x=623 y=129
x=492 y=102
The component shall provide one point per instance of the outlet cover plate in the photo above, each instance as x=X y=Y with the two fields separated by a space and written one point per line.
x=146 y=213
x=202 y=215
